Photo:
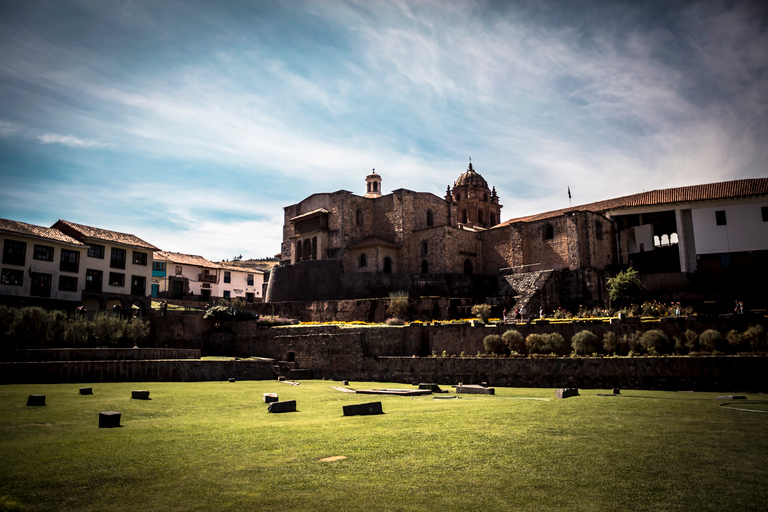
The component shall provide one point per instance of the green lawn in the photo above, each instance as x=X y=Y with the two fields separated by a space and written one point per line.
x=212 y=446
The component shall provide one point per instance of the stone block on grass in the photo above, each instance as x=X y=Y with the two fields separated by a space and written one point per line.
x=140 y=395
x=270 y=397
x=567 y=392
x=363 y=409
x=475 y=389
x=231 y=379
x=86 y=391
x=36 y=400
x=431 y=386
x=616 y=391
x=286 y=406
x=109 y=419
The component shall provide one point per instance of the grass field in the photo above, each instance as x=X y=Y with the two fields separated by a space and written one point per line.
x=212 y=446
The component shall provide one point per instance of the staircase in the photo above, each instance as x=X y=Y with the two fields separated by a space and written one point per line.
x=527 y=285
x=290 y=370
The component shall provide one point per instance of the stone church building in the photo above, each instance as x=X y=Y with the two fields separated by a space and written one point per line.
x=341 y=245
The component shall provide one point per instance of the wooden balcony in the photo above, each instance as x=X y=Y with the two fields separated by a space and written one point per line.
x=208 y=278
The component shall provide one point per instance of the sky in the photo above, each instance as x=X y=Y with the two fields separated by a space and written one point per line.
x=192 y=124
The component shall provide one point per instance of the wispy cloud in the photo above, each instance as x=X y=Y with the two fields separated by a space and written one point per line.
x=69 y=140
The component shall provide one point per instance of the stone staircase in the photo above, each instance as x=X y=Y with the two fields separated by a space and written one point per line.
x=290 y=370
x=526 y=286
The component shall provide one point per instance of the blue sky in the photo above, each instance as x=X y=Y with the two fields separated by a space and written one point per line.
x=192 y=124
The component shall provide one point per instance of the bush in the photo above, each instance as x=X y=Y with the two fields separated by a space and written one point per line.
x=655 y=341
x=136 y=330
x=754 y=337
x=710 y=340
x=514 y=340
x=545 y=343
x=625 y=287
x=394 y=321
x=493 y=344
x=481 y=311
x=108 y=328
x=398 y=304
x=691 y=338
x=611 y=343
x=585 y=342
x=78 y=330
x=735 y=340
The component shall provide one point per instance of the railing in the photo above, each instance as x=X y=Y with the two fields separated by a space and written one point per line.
x=208 y=278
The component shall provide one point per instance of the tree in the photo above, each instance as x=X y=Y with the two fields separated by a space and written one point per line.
x=482 y=311
x=398 y=304
x=626 y=287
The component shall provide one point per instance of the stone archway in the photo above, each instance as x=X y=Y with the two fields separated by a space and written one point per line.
x=467 y=266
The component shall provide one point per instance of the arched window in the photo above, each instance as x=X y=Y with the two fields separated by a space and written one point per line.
x=673 y=238
x=359 y=217
x=656 y=241
x=492 y=220
x=387 y=265
x=369 y=186
x=430 y=220
x=598 y=230
x=375 y=186
x=424 y=248
x=424 y=267
x=467 y=266
x=298 y=250
x=463 y=216
x=480 y=216
x=314 y=248
x=307 y=249
x=664 y=240
x=548 y=232
x=363 y=261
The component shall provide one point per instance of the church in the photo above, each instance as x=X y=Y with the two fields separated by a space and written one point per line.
x=341 y=245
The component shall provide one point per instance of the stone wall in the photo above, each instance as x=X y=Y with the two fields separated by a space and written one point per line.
x=99 y=354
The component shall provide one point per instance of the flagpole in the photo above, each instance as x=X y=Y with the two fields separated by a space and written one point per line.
x=569 y=196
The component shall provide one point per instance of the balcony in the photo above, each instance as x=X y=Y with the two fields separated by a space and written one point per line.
x=207 y=278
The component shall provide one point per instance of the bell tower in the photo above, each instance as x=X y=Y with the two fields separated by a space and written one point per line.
x=373 y=185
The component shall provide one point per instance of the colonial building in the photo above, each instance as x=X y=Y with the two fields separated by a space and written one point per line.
x=341 y=245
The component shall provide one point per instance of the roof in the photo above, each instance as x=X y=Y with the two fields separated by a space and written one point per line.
x=184 y=259
x=235 y=268
x=470 y=177
x=707 y=192
x=22 y=228
x=372 y=241
x=307 y=215
x=106 y=235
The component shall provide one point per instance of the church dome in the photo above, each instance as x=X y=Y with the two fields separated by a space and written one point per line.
x=471 y=178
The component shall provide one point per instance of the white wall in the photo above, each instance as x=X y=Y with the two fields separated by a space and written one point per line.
x=744 y=229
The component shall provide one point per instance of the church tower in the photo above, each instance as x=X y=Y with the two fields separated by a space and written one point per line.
x=475 y=204
x=373 y=185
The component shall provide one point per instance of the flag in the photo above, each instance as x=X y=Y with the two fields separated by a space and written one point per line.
x=569 y=192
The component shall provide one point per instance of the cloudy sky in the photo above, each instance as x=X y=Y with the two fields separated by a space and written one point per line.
x=192 y=124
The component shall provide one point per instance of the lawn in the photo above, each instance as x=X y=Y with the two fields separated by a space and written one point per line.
x=213 y=446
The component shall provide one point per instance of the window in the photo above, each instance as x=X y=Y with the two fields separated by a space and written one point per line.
x=424 y=248
x=67 y=284
x=116 y=279
x=12 y=277
x=93 y=280
x=41 y=285
x=70 y=261
x=249 y=280
x=139 y=258
x=548 y=232
x=492 y=219
x=463 y=216
x=424 y=267
x=14 y=252
x=359 y=217
x=387 y=265
x=764 y=211
x=720 y=218
x=138 y=285
x=158 y=265
x=227 y=277
x=363 y=260
x=598 y=230
x=226 y=294
x=96 y=251
x=375 y=186
x=178 y=270
x=430 y=218
x=480 y=216
x=118 y=258
x=43 y=253
x=468 y=267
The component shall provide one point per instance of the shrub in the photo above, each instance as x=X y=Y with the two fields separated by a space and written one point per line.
x=398 y=304
x=78 y=330
x=108 y=328
x=655 y=341
x=136 y=330
x=611 y=343
x=514 y=340
x=493 y=344
x=394 y=321
x=30 y=325
x=585 y=342
x=545 y=343
x=691 y=338
x=535 y=344
x=735 y=339
x=710 y=340
x=481 y=311
x=555 y=343
x=625 y=287
x=754 y=337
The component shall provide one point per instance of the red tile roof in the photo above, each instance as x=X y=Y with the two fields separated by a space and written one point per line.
x=22 y=228
x=707 y=192
x=184 y=259
x=105 y=235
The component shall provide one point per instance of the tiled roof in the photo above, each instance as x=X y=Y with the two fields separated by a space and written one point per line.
x=106 y=235
x=22 y=228
x=372 y=241
x=706 y=192
x=235 y=268
x=184 y=259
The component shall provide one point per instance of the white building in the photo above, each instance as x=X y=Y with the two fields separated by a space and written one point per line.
x=184 y=276
x=240 y=282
